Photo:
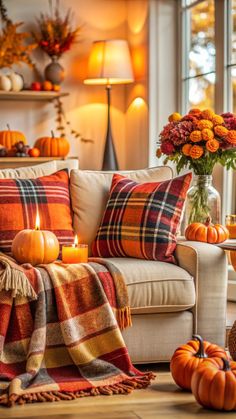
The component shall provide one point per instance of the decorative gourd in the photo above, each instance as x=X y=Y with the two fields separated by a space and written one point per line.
x=35 y=247
x=52 y=146
x=214 y=385
x=5 y=83
x=207 y=232
x=188 y=357
x=8 y=138
x=17 y=82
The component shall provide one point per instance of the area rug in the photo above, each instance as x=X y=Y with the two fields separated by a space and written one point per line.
x=60 y=335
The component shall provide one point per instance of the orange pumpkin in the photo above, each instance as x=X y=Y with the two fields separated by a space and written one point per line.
x=35 y=247
x=53 y=146
x=207 y=232
x=8 y=138
x=188 y=357
x=214 y=385
x=233 y=258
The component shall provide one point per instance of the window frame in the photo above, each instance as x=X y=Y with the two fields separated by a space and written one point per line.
x=223 y=85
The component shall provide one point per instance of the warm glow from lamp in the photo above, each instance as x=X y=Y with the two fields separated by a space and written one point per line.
x=138 y=102
x=110 y=63
x=37 y=222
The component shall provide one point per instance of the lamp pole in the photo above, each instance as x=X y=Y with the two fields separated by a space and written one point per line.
x=109 y=158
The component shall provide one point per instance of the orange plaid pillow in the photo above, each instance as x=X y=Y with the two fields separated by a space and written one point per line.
x=141 y=220
x=20 y=199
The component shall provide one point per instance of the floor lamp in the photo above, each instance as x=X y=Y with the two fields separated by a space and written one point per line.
x=109 y=63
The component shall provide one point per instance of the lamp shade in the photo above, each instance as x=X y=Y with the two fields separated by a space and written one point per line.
x=110 y=63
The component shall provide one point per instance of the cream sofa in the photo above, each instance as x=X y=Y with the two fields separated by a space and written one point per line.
x=169 y=302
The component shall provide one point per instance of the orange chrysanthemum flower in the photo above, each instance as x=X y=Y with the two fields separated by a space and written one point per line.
x=231 y=137
x=217 y=120
x=174 y=117
x=207 y=134
x=194 y=111
x=204 y=123
x=196 y=152
x=221 y=131
x=158 y=153
x=208 y=114
x=196 y=136
x=186 y=149
x=212 y=145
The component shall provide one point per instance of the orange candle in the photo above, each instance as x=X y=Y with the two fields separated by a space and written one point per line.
x=75 y=253
x=231 y=225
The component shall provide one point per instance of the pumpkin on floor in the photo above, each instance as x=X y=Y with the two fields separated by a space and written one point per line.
x=9 y=138
x=53 y=146
x=35 y=247
x=214 y=384
x=207 y=232
x=188 y=357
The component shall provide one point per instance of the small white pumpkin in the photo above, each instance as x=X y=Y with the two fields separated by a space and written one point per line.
x=17 y=82
x=5 y=83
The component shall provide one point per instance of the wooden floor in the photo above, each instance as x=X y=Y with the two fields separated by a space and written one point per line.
x=162 y=400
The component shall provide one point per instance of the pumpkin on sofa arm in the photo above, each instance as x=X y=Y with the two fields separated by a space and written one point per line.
x=207 y=232
x=188 y=357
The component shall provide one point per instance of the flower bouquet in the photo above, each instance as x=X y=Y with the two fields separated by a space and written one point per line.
x=198 y=141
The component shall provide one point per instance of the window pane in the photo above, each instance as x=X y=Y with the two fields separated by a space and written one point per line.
x=233 y=17
x=202 y=91
x=233 y=89
x=201 y=19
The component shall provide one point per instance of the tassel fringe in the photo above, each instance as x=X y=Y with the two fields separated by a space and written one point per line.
x=55 y=396
x=14 y=280
x=123 y=316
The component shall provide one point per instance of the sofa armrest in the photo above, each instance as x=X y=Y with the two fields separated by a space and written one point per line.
x=208 y=265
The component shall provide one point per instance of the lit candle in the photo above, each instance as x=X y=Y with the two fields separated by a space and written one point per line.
x=75 y=253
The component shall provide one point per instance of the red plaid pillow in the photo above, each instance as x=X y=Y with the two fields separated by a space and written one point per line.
x=21 y=198
x=141 y=220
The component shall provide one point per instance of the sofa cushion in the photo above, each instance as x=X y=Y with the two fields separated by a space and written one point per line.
x=39 y=170
x=29 y=172
x=156 y=287
x=141 y=219
x=90 y=191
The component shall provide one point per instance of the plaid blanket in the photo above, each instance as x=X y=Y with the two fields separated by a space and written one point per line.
x=59 y=336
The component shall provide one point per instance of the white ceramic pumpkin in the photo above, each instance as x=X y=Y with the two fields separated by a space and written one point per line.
x=5 y=83
x=17 y=82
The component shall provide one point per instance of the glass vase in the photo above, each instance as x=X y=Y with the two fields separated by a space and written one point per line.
x=202 y=201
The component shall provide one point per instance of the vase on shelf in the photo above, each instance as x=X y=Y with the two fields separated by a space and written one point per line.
x=54 y=72
x=202 y=201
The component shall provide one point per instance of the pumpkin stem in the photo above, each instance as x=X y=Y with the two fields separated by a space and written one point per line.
x=8 y=127
x=226 y=364
x=200 y=353
x=52 y=134
x=208 y=221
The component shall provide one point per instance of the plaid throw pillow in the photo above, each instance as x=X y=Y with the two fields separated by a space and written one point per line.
x=141 y=220
x=21 y=198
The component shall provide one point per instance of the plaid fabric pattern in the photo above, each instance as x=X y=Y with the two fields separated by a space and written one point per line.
x=20 y=199
x=141 y=220
x=66 y=343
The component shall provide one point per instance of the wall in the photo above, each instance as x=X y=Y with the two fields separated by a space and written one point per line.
x=86 y=105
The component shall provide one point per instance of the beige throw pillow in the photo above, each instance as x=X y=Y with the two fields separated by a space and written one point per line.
x=89 y=192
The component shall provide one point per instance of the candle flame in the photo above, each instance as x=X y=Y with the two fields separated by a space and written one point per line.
x=76 y=241
x=37 y=222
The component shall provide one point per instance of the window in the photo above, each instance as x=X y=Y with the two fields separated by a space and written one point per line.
x=198 y=69
x=208 y=67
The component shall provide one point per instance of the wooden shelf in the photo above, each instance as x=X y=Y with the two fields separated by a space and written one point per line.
x=27 y=95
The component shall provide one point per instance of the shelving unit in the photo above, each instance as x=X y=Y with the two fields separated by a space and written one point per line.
x=30 y=95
